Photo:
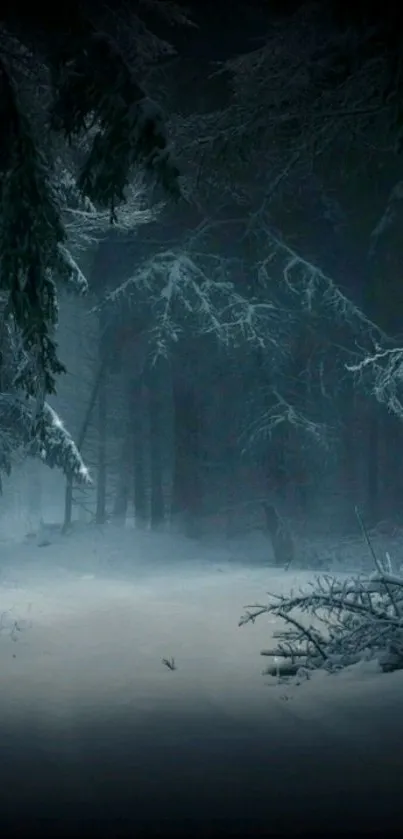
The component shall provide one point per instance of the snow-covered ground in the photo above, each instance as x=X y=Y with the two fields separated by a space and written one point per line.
x=94 y=726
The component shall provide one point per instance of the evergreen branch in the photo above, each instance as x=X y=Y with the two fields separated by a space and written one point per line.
x=95 y=86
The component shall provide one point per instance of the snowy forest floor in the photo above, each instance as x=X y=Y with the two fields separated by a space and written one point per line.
x=94 y=728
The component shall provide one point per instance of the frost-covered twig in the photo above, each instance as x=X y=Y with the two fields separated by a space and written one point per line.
x=382 y=373
x=378 y=566
x=282 y=411
x=360 y=618
x=179 y=290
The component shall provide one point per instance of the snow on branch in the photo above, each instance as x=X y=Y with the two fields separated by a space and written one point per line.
x=77 y=279
x=31 y=232
x=389 y=218
x=180 y=292
x=43 y=435
x=280 y=412
x=355 y=619
x=382 y=371
x=56 y=447
x=86 y=223
x=305 y=88
x=378 y=365
x=350 y=621
x=307 y=92
x=97 y=88
x=312 y=286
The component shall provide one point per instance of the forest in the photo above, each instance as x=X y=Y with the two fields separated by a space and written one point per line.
x=200 y=271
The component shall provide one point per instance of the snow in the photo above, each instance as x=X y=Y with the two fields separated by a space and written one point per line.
x=94 y=726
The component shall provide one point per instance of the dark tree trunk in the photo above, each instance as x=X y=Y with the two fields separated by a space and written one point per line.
x=34 y=493
x=68 y=506
x=121 y=504
x=155 y=394
x=350 y=454
x=373 y=495
x=68 y=500
x=139 y=449
x=281 y=539
x=186 y=493
x=104 y=350
x=125 y=475
x=394 y=477
x=100 y=515
x=231 y=494
x=279 y=476
x=102 y=269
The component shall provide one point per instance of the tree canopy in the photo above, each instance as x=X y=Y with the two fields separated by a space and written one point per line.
x=92 y=97
x=69 y=103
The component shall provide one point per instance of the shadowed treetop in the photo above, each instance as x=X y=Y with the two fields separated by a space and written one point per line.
x=92 y=94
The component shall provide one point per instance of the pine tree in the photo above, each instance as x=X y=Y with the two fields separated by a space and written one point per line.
x=91 y=103
x=92 y=94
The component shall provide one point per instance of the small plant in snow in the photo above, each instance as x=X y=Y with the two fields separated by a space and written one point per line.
x=169 y=663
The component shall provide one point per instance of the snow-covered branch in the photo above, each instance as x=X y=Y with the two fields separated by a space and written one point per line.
x=86 y=222
x=280 y=412
x=315 y=289
x=97 y=87
x=382 y=373
x=56 y=447
x=43 y=435
x=378 y=366
x=391 y=217
x=178 y=291
x=351 y=620
x=306 y=88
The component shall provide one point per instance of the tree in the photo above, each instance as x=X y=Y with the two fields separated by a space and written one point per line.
x=24 y=431
x=124 y=129
x=91 y=99
x=322 y=86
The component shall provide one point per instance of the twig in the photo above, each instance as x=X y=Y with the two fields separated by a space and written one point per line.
x=377 y=563
x=284 y=653
x=288 y=619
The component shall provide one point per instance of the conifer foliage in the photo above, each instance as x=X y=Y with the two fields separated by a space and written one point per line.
x=91 y=103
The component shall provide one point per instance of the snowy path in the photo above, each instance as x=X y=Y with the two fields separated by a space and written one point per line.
x=90 y=715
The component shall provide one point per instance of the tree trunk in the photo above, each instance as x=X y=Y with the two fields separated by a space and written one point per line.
x=100 y=515
x=186 y=493
x=121 y=504
x=279 y=476
x=350 y=454
x=34 y=494
x=139 y=451
x=103 y=354
x=155 y=394
x=68 y=506
x=280 y=535
x=373 y=495
x=393 y=471
x=68 y=500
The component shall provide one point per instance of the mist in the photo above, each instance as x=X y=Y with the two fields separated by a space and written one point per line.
x=97 y=733
x=201 y=418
